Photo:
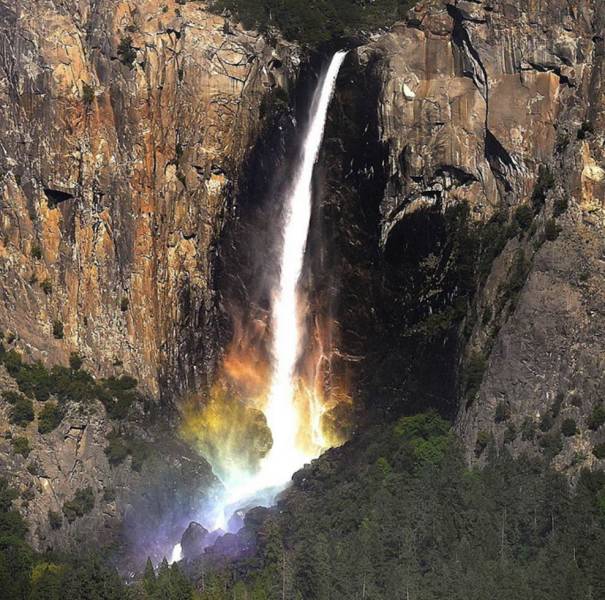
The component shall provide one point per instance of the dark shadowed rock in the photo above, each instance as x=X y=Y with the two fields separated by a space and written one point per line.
x=194 y=540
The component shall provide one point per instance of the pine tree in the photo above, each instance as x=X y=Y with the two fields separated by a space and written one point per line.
x=149 y=578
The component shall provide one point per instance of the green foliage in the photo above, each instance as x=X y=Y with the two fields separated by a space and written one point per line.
x=49 y=418
x=12 y=397
x=88 y=94
x=15 y=554
x=81 y=504
x=502 y=412
x=599 y=451
x=545 y=183
x=528 y=429
x=119 y=448
x=171 y=584
x=75 y=361
x=316 y=22
x=55 y=520
x=483 y=439
x=517 y=277
x=597 y=417
x=494 y=236
x=46 y=581
x=585 y=131
x=26 y=576
x=513 y=529
x=551 y=443
x=560 y=206
x=547 y=422
x=524 y=216
x=569 y=427
x=22 y=412
x=126 y=52
x=21 y=446
x=36 y=252
x=70 y=384
x=428 y=436
x=551 y=230
x=473 y=374
x=510 y=434
x=58 y=329
x=47 y=287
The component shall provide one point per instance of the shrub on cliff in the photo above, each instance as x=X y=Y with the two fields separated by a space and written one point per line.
x=544 y=184
x=116 y=450
x=22 y=412
x=55 y=520
x=569 y=428
x=560 y=206
x=11 y=396
x=475 y=369
x=58 y=329
x=524 y=216
x=70 y=384
x=47 y=287
x=597 y=417
x=551 y=230
x=49 y=418
x=82 y=503
x=75 y=361
x=126 y=52
x=502 y=412
x=16 y=557
x=483 y=439
x=21 y=446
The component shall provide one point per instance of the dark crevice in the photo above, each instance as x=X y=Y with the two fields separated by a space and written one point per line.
x=563 y=79
x=499 y=159
x=55 y=197
x=459 y=176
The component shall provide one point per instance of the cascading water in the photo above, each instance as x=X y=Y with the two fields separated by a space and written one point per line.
x=281 y=412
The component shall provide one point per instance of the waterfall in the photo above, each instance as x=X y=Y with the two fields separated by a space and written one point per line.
x=282 y=416
x=281 y=410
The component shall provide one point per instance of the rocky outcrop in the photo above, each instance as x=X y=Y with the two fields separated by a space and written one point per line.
x=124 y=127
x=92 y=481
x=494 y=106
x=497 y=105
x=456 y=252
x=194 y=540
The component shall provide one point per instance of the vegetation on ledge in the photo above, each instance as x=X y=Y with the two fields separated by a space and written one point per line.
x=314 y=23
x=64 y=384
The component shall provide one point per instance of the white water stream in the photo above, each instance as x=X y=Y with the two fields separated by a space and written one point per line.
x=281 y=412
x=285 y=456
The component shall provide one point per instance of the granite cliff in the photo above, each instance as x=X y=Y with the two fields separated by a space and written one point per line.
x=466 y=164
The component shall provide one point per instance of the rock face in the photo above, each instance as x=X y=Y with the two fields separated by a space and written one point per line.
x=124 y=125
x=73 y=493
x=493 y=105
x=194 y=540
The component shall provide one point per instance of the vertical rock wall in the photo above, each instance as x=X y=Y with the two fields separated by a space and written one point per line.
x=124 y=126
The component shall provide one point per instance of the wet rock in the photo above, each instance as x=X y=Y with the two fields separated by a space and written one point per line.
x=194 y=541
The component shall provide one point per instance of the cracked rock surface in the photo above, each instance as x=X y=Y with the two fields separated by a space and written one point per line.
x=124 y=125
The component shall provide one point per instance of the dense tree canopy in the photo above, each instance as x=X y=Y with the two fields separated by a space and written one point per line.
x=398 y=514
x=316 y=21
